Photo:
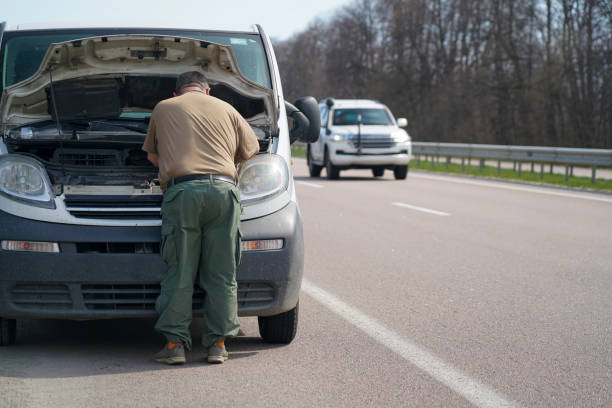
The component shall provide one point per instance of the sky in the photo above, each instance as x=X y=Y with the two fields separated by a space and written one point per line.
x=279 y=18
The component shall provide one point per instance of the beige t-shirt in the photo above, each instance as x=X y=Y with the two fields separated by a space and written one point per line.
x=198 y=134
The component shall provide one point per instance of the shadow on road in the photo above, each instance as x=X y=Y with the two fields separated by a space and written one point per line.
x=63 y=349
x=342 y=178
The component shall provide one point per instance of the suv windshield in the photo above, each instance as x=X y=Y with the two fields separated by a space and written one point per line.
x=24 y=51
x=344 y=117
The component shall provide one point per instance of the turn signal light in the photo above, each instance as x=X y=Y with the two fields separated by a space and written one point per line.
x=262 y=245
x=30 y=246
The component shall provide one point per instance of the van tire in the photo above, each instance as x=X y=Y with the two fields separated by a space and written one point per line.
x=333 y=173
x=280 y=328
x=313 y=169
x=8 y=331
x=378 y=171
x=400 y=172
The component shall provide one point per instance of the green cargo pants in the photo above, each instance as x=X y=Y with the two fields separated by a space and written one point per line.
x=200 y=243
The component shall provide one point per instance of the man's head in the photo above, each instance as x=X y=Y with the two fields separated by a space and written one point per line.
x=189 y=81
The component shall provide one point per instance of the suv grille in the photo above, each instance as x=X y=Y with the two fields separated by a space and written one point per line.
x=373 y=141
x=114 y=207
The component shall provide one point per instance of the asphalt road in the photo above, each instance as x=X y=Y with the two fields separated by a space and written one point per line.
x=430 y=292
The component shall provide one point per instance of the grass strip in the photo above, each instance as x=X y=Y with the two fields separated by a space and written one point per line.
x=509 y=174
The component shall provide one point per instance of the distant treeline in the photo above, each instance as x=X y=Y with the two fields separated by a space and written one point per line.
x=518 y=72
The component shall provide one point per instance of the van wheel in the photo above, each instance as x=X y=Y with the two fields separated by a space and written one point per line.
x=280 y=328
x=8 y=331
x=378 y=171
x=333 y=173
x=313 y=169
x=400 y=172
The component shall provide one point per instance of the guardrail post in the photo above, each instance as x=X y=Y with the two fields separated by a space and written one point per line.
x=593 y=170
x=448 y=160
x=541 y=171
x=514 y=165
x=571 y=170
x=532 y=167
x=551 y=168
x=566 y=172
x=520 y=168
x=463 y=164
x=481 y=165
x=498 y=167
x=433 y=161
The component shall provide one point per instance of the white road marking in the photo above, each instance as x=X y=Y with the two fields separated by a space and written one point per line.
x=305 y=183
x=426 y=210
x=477 y=393
x=538 y=190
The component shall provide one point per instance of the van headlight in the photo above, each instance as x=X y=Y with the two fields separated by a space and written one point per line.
x=24 y=179
x=263 y=177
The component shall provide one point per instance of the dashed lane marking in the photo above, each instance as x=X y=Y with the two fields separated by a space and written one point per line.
x=474 y=391
x=305 y=183
x=422 y=209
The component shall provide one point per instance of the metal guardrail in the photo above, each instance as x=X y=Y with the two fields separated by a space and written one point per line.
x=568 y=157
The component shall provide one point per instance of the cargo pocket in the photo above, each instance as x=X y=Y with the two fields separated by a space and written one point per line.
x=168 y=245
x=167 y=203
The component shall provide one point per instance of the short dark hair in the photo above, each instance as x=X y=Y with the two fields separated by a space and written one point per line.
x=191 y=78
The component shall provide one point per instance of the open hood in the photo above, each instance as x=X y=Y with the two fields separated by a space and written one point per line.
x=102 y=77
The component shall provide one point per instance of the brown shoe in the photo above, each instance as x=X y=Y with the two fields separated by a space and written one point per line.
x=217 y=354
x=174 y=355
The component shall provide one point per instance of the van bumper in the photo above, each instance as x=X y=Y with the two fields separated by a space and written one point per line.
x=99 y=275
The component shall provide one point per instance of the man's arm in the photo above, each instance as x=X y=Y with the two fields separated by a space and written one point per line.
x=248 y=145
x=153 y=159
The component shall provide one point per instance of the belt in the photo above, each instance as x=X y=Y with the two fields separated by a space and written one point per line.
x=211 y=177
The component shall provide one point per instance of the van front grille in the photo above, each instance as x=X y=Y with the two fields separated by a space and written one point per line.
x=129 y=297
x=36 y=296
x=137 y=207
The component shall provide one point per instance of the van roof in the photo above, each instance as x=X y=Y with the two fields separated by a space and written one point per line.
x=47 y=26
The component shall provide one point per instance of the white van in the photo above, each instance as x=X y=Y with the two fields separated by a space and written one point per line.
x=359 y=134
x=80 y=203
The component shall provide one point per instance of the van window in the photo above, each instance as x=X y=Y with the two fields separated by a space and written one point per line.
x=24 y=51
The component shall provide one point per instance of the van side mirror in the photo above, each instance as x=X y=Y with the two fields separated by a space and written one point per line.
x=402 y=122
x=306 y=120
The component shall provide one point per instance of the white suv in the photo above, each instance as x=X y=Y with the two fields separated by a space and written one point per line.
x=358 y=134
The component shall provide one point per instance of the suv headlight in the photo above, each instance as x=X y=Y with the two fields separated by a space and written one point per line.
x=338 y=137
x=263 y=177
x=24 y=179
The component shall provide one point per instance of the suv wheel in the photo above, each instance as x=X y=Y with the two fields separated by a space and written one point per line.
x=378 y=171
x=400 y=172
x=279 y=328
x=332 y=171
x=8 y=331
x=313 y=169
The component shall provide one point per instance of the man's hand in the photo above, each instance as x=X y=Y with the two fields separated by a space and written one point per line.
x=153 y=159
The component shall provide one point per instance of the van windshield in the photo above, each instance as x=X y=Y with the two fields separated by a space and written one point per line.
x=346 y=117
x=24 y=51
